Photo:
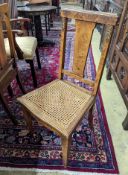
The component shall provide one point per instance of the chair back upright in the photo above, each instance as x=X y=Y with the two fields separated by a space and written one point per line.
x=85 y=22
x=5 y=27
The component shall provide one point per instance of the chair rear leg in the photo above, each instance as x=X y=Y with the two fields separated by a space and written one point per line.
x=19 y=83
x=5 y=105
x=33 y=72
x=38 y=58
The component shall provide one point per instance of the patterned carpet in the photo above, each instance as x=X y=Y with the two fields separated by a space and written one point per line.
x=91 y=151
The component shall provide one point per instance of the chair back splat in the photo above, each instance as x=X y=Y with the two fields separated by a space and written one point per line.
x=85 y=22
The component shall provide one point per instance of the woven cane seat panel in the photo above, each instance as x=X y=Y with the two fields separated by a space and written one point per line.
x=57 y=104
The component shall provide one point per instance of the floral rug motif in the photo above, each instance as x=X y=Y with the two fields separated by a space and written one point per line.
x=90 y=151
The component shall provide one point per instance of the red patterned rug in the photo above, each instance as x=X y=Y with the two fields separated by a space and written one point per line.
x=91 y=151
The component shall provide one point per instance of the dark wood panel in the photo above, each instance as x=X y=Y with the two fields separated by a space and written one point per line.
x=118 y=63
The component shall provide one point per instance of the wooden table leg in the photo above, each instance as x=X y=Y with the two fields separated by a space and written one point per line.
x=39 y=33
x=125 y=123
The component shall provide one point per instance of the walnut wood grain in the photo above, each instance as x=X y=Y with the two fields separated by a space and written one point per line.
x=83 y=36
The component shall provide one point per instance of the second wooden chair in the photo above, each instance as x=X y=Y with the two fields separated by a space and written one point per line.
x=8 y=68
x=26 y=47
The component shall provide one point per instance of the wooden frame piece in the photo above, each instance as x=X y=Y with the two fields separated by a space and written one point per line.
x=8 y=68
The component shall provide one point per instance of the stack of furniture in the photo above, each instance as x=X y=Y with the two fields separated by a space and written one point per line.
x=118 y=64
x=108 y=5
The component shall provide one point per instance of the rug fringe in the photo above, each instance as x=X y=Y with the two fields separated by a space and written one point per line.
x=42 y=171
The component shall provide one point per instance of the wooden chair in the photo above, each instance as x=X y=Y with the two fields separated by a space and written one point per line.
x=25 y=46
x=61 y=105
x=8 y=69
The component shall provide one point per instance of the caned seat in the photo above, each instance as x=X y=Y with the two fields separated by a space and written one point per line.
x=61 y=105
x=27 y=45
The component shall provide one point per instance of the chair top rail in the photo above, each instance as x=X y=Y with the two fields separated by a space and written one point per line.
x=90 y=16
x=4 y=8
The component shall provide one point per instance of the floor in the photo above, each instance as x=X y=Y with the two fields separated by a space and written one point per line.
x=115 y=112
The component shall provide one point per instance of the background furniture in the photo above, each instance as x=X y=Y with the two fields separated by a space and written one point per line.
x=26 y=47
x=118 y=64
x=35 y=11
x=108 y=5
x=88 y=4
x=61 y=105
x=40 y=1
x=8 y=69
x=113 y=6
x=50 y=2
x=12 y=7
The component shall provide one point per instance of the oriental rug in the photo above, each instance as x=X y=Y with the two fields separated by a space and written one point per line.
x=90 y=151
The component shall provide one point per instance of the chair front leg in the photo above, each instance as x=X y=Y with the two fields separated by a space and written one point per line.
x=65 y=149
